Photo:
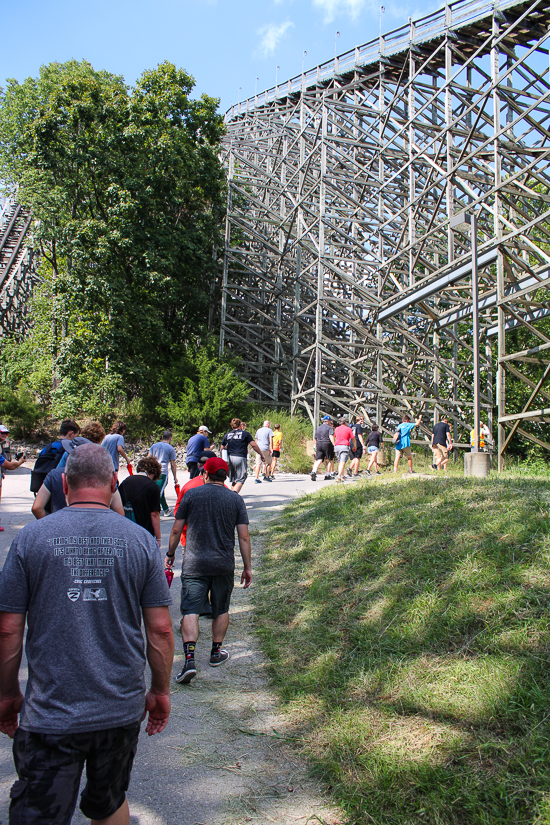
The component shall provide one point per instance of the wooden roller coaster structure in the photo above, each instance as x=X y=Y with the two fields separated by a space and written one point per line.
x=345 y=287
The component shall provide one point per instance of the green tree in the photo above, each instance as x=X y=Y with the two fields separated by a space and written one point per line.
x=128 y=195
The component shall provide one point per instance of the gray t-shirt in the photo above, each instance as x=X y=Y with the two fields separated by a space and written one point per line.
x=211 y=512
x=262 y=437
x=163 y=452
x=111 y=442
x=83 y=575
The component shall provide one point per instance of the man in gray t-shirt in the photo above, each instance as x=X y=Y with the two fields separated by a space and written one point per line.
x=83 y=579
x=165 y=455
x=264 y=440
x=211 y=513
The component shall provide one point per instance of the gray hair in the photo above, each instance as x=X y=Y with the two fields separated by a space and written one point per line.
x=90 y=465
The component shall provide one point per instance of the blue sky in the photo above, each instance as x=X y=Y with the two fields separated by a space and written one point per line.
x=224 y=44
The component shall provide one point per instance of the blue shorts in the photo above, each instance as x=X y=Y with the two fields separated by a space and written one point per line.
x=374 y=449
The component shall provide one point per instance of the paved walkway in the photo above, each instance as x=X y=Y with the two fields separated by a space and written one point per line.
x=223 y=759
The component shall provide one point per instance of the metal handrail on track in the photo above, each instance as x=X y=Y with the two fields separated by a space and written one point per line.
x=453 y=16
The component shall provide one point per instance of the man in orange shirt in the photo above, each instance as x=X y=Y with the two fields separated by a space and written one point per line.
x=277 y=442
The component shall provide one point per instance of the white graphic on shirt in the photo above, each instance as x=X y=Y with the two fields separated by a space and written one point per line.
x=92 y=557
x=73 y=593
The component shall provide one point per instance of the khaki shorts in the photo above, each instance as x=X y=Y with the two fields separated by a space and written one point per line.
x=406 y=451
x=264 y=458
x=442 y=450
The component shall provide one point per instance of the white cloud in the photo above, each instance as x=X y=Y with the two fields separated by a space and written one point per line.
x=271 y=35
x=333 y=7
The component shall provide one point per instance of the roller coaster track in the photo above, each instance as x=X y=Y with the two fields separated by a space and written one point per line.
x=346 y=288
x=18 y=274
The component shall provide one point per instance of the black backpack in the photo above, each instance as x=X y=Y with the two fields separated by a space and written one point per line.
x=48 y=460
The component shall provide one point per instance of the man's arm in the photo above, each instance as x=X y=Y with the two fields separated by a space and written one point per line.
x=174 y=471
x=270 y=443
x=418 y=421
x=160 y=656
x=116 y=503
x=12 y=465
x=12 y=628
x=173 y=541
x=120 y=449
x=246 y=552
x=155 y=521
x=39 y=504
x=256 y=448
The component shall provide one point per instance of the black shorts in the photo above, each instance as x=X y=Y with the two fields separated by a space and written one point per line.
x=49 y=767
x=324 y=452
x=276 y=453
x=358 y=453
x=196 y=589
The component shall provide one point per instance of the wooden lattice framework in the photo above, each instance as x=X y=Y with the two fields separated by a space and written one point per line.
x=344 y=286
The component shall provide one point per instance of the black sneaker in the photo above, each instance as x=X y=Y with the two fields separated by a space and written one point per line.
x=313 y=476
x=187 y=672
x=328 y=478
x=348 y=471
x=218 y=658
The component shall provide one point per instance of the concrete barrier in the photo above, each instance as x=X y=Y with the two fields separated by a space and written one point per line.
x=477 y=465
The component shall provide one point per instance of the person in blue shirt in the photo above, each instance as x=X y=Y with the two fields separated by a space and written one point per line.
x=403 y=443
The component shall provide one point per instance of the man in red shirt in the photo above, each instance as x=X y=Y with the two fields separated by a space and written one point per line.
x=344 y=440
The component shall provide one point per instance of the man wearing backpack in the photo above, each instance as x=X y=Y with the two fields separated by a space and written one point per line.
x=52 y=454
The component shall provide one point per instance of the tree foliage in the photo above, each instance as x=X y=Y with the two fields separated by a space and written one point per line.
x=127 y=192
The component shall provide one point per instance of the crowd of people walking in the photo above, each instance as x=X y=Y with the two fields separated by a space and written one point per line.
x=91 y=564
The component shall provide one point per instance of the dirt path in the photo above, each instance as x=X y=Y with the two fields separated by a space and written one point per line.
x=223 y=759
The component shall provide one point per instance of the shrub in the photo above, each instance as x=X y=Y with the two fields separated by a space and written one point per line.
x=19 y=410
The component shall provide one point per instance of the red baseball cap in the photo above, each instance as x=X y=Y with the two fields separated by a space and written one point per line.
x=215 y=464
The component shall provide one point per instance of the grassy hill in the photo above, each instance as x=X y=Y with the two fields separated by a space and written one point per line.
x=408 y=629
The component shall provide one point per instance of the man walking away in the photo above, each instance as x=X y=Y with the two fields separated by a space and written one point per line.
x=357 y=454
x=441 y=444
x=196 y=445
x=84 y=579
x=264 y=440
x=236 y=443
x=277 y=446
x=165 y=454
x=403 y=441
x=114 y=443
x=141 y=496
x=211 y=513
x=49 y=458
x=374 y=443
x=323 y=442
x=344 y=441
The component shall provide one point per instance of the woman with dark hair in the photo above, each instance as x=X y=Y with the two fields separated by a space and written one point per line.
x=141 y=496
x=374 y=442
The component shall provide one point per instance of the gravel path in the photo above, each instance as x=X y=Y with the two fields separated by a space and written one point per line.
x=223 y=759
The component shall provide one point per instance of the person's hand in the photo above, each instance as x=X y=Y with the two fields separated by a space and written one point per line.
x=169 y=561
x=157 y=705
x=9 y=711
x=246 y=578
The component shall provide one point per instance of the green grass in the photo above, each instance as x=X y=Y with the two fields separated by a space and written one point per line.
x=408 y=630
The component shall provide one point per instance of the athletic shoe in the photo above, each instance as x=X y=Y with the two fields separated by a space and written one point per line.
x=167 y=513
x=434 y=466
x=219 y=658
x=368 y=472
x=340 y=480
x=187 y=672
x=268 y=478
x=313 y=476
x=378 y=473
x=349 y=472
x=328 y=478
x=258 y=481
